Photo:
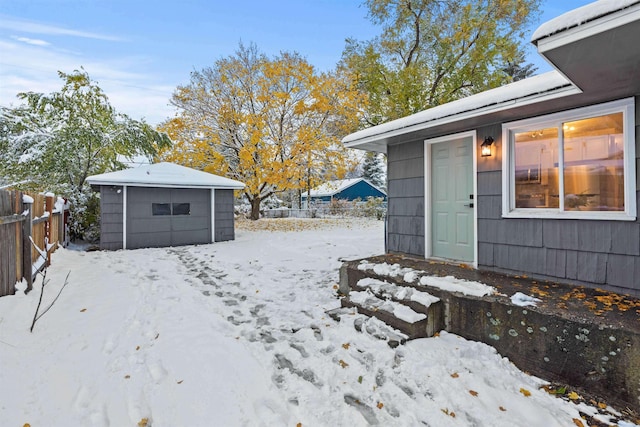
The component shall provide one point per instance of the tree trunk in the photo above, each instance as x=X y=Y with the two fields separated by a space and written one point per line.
x=255 y=208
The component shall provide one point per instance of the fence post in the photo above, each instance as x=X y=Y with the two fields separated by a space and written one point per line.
x=27 y=264
x=48 y=233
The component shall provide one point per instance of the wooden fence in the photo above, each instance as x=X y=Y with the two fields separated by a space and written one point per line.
x=24 y=218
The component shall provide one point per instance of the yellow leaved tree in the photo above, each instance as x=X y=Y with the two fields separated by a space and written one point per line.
x=273 y=124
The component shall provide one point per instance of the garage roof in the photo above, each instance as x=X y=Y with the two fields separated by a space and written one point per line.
x=164 y=175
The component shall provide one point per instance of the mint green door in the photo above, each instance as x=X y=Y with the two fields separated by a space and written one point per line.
x=452 y=223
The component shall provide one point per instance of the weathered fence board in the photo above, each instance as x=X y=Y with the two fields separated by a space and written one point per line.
x=19 y=223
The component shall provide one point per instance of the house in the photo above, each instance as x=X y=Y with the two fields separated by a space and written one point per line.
x=344 y=189
x=538 y=177
x=163 y=204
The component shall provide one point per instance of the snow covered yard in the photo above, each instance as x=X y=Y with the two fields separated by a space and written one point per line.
x=235 y=333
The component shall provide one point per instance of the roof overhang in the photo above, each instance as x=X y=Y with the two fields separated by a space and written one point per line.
x=164 y=175
x=600 y=53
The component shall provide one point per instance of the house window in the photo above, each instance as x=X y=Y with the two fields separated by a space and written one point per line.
x=574 y=164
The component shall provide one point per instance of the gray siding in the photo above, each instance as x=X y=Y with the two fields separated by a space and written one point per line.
x=603 y=254
x=146 y=230
x=405 y=215
x=110 y=217
x=223 y=219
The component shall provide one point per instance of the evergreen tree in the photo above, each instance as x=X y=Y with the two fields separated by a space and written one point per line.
x=518 y=70
x=373 y=169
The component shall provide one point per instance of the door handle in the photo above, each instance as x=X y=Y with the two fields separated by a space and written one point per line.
x=469 y=205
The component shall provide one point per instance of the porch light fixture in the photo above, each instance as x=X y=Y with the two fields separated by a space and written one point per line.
x=485 y=147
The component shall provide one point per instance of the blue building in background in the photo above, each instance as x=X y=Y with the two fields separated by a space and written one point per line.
x=344 y=189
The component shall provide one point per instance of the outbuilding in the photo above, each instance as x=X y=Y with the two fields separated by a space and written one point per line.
x=164 y=204
x=538 y=177
x=343 y=189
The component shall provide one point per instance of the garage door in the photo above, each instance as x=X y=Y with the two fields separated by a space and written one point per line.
x=158 y=217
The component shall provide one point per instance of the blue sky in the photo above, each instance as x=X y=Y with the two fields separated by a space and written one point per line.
x=139 y=51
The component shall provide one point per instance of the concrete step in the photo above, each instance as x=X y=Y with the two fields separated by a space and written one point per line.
x=419 y=301
x=369 y=325
x=395 y=313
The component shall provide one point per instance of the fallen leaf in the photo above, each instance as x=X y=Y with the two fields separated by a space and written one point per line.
x=83 y=310
x=380 y=405
x=573 y=395
x=127 y=376
x=157 y=335
x=343 y=363
x=299 y=425
x=137 y=347
x=455 y=375
x=335 y=286
x=143 y=422
x=473 y=393
x=602 y=405
x=526 y=392
x=257 y=291
x=502 y=409
x=578 y=422
x=26 y=425
x=360 y=379
x=345 y=346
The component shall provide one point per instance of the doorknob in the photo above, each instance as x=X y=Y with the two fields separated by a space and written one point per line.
x=469 y=205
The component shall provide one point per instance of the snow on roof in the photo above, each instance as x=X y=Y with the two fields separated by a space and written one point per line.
x=521 y=92
x=334 y=187
x=164 y=175
x=580 y=16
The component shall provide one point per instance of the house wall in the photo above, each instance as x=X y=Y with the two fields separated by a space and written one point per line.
x=224 y=220
x=405 y=203
x=595 y=253
x=603 y=254
x=111 y=198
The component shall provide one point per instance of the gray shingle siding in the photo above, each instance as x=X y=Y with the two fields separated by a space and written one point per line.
x=405 y=215
x=110 y=217
x=602 y=254
x=224 y=220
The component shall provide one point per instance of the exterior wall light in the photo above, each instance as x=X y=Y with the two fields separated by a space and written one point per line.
x=485 y=147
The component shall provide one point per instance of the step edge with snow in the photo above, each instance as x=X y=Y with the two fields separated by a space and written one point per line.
x=411 y=296
x=414 y=325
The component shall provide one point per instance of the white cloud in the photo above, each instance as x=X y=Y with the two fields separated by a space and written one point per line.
x=24 y=26
x=131 y=90
x=35 y=42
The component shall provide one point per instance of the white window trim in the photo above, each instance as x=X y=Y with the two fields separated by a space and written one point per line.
x=627 y=107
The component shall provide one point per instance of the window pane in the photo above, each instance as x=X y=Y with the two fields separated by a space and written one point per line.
x=593 y=159
x=161 y=209
x=182 y=209
x=536 y=168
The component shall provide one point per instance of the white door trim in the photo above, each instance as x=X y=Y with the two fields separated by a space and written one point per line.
x=427 y=189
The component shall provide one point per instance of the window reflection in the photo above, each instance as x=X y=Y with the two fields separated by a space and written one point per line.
x=593 y=164
x=536 y=168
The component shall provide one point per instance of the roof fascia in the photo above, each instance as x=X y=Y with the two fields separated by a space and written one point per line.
x=588 y=29
x=506 y=105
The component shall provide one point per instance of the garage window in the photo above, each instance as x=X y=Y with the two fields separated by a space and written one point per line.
x=161 y=209
x=182 y=208
x=167 y=209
